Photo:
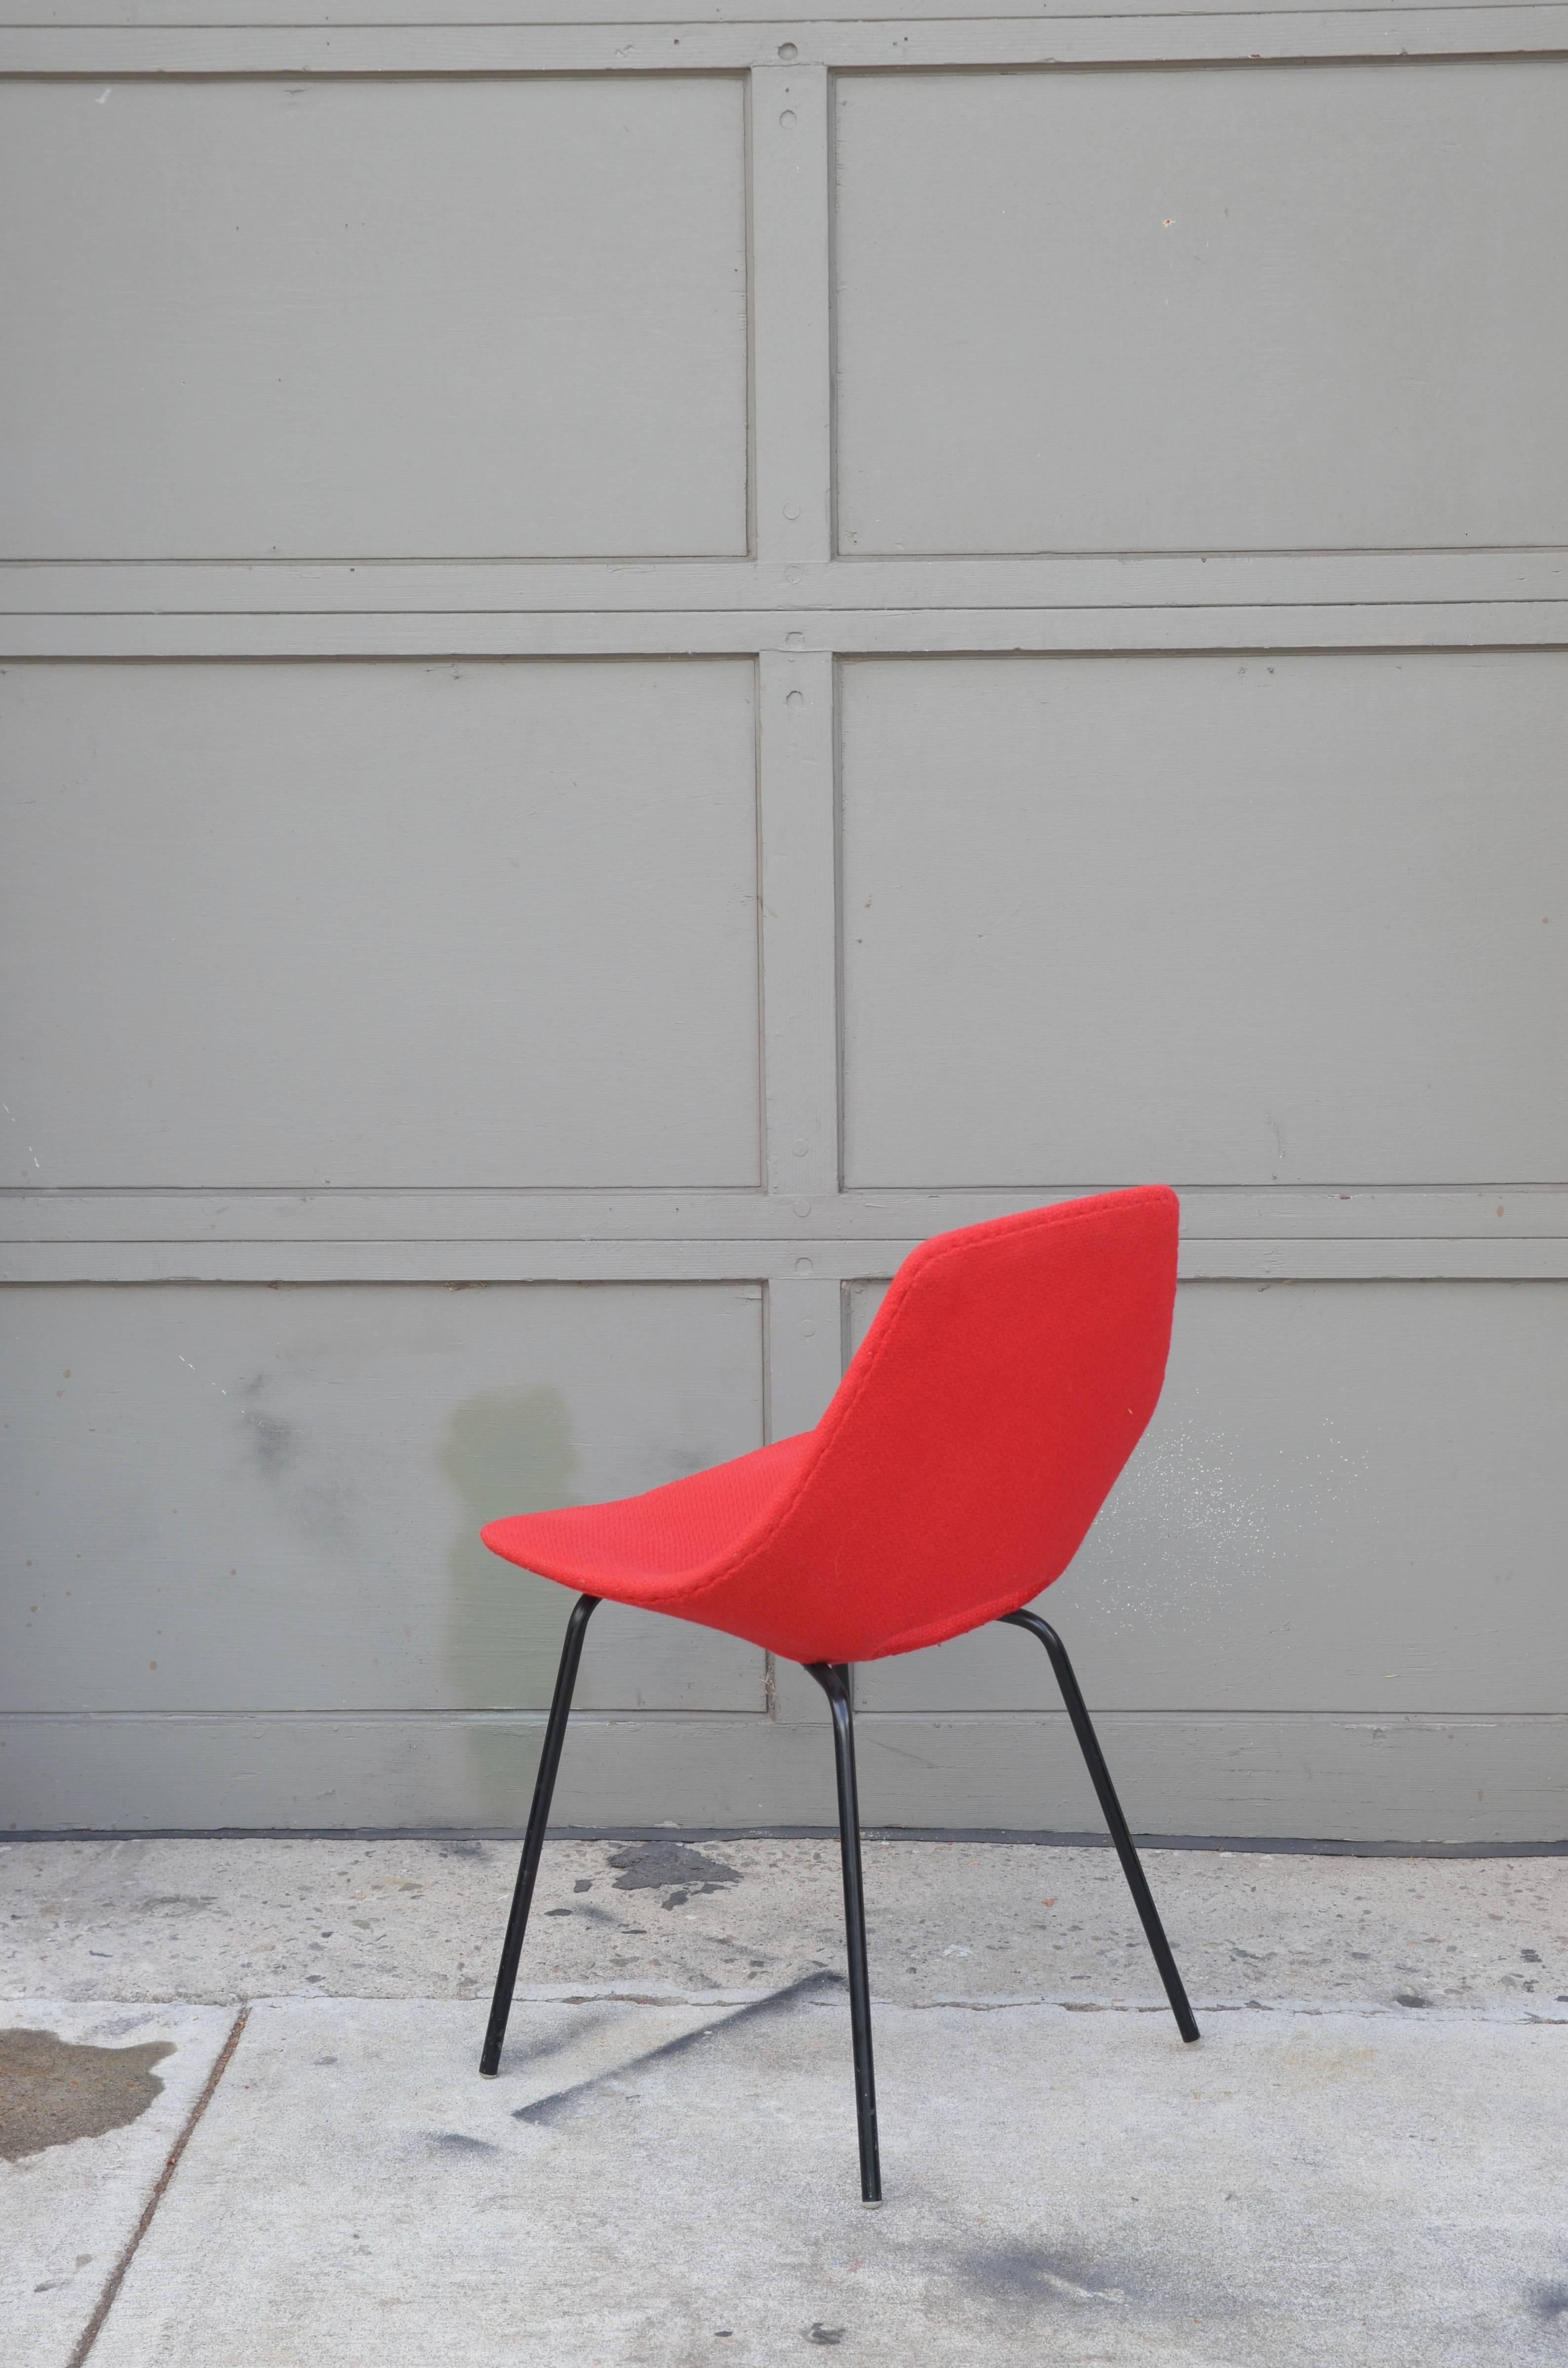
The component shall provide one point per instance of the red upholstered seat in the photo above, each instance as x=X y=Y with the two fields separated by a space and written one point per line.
x=1006 y=1378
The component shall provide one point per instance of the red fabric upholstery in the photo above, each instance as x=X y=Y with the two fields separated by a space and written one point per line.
x=1006 y=1378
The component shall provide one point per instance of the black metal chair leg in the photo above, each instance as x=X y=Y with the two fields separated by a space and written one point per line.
x=1131 y=1867
x=533 y=1842
x=835 y=1683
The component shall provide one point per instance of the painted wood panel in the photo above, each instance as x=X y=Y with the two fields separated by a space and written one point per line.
x=1259 y=920
x=1351 y=1500
x=1311 y=306
x=361 y=317
x=452 y=923
x=258 y=1499
x=388 y=816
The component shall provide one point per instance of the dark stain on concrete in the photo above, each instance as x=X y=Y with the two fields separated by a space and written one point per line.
x=1550 y=2302
x=1018 y=2272
x=648 y=1866
x=546 y=2111
x=52 y=2092
x=1017 y=2275
x=454 y=2142
x=586 y=2017
x=1018 y=2278
x=593 y=1914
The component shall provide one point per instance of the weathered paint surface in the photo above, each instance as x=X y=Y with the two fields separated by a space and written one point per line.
x=505 y=1451
x=271 y=1497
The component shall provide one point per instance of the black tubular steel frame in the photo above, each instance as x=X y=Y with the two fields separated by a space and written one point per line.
x=533 y=1840
x=1110 y=1808
x=835 y=1680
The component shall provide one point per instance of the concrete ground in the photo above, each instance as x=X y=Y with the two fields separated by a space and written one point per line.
x=239 y=2107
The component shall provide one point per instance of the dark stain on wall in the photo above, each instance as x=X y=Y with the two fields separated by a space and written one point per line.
x=506 y=1450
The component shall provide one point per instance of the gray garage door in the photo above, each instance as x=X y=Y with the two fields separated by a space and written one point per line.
x=646 y=660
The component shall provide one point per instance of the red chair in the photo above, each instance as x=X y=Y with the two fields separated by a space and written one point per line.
x=1008 y=1375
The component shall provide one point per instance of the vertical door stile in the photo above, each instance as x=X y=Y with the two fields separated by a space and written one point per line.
x=792 y=494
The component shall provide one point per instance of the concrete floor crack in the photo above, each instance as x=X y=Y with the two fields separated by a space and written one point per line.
x=116 y=2278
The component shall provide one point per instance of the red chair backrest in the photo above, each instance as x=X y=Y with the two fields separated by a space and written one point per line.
x=1008 y=1377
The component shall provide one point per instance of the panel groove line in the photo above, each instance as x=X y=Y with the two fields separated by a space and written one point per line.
x=789 y=198
x=798 y=896
x=1501 y=1211
x=1135 y=35
x=270 y=637
x=532 y=1722
x=770 y=591
x=1383 y=1242
x=638 y=21
x=786 y=1261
